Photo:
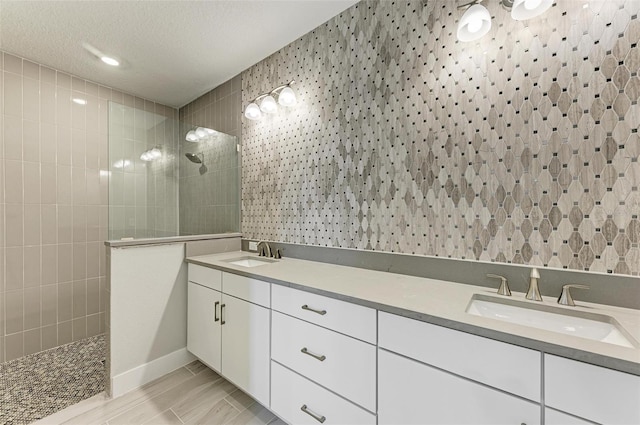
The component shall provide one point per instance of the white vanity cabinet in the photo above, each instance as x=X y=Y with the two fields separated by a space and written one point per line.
x=591 y=392
x=428 y=374
x=230 y=334
x=323 y=368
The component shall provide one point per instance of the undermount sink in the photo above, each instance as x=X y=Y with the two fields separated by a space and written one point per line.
x=593 y=326
x=249 y=261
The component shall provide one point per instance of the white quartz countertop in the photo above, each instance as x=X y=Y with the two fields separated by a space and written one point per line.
x=441 y=303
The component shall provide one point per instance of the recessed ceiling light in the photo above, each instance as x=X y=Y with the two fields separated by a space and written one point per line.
x=109 y=61
x=79 y=101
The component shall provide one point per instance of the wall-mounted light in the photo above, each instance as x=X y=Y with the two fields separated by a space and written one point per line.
x=476 y=20
x=267 y=101
x=527 y=9
x=199 y=134
x=151 y=154
x=475 y=23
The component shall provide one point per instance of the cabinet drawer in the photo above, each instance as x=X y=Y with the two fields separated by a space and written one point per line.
x=553 y=417
x=348 y=367
x=351 y=319
x=413 y=393
x=591 y=392
x=205 y=276
x=290 y=392
x=245 y=288
x=505 y=366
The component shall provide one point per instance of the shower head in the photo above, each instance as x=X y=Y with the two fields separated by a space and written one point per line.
x=194 y=157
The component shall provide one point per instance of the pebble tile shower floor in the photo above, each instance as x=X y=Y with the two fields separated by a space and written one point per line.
x=40 y=384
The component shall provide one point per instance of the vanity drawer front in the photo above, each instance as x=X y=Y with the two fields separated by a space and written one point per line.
x=350 y=319
x=591 y=392
x=205 y=276
x=348 y=367
x=248 y=289
x=507 y=367
x=290 y=392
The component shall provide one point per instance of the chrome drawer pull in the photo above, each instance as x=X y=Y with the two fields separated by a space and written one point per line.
x=315 y=356
x=318 y=418
x=320 y=312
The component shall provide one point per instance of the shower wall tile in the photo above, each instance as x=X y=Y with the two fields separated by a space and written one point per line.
x=209 y=201
x=518 y=148
x=53 y=205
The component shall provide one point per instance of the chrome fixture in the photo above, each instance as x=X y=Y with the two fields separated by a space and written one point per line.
x=286 y=97
x=476 y=20
x=533 y=293
x=504 y=286
x=196 y=158
x=565 y=297
x=199 y=134
x=264 y=250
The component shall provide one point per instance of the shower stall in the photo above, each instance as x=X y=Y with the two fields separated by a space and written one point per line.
x=170 y=178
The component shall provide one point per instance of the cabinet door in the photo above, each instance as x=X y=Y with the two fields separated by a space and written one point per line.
x=203 y=331
x=410 y=392
x=245 y=346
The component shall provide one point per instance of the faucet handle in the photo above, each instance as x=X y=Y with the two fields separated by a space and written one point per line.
x=565 y=297
x=504 y=286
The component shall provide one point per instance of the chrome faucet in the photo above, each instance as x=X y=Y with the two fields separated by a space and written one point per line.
x=264 y=250
x=565 y=297
x=504 y=286
x=533 y=293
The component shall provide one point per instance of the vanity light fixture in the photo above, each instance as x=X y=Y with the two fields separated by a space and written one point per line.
x=476 y=20
x=474 y=24
x=151 y=154
x=527 y=9
x=199 y=134
x=267 y=101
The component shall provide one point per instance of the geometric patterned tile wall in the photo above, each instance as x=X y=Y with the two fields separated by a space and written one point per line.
x=519 y=148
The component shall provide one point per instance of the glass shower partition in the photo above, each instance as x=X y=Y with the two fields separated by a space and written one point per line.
x=161 y=184
x=143 y=172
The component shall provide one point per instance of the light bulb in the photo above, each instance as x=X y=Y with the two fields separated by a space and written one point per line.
x=191 y=136
x=474 y=26
x=474 y=23
x=532 y=4
x=268 y=105
x=110 y=61
x=527 y=9
x=287 y=97
x=155 y=153
x=201 y=133
x=252 y=111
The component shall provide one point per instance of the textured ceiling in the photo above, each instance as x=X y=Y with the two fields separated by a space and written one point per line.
x=172 y=51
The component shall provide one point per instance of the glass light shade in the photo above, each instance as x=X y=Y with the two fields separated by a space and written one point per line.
x=209 y=131
x=287 y=97
x=146 y=156
x=474 y=24
x=191 y=136
x=201 y=133
x=155 y=153
x=527 y=9
x=252 y=111
x=269 y=105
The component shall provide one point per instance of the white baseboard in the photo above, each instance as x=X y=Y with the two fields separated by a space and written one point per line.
x=138 y=376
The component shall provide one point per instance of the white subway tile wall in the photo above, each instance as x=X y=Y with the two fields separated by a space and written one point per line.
x=53 y=205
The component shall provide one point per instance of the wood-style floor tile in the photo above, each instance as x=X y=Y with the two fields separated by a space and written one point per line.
x=165 y=418
x=254 y=415
x=240 y=400
x=218 y=414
